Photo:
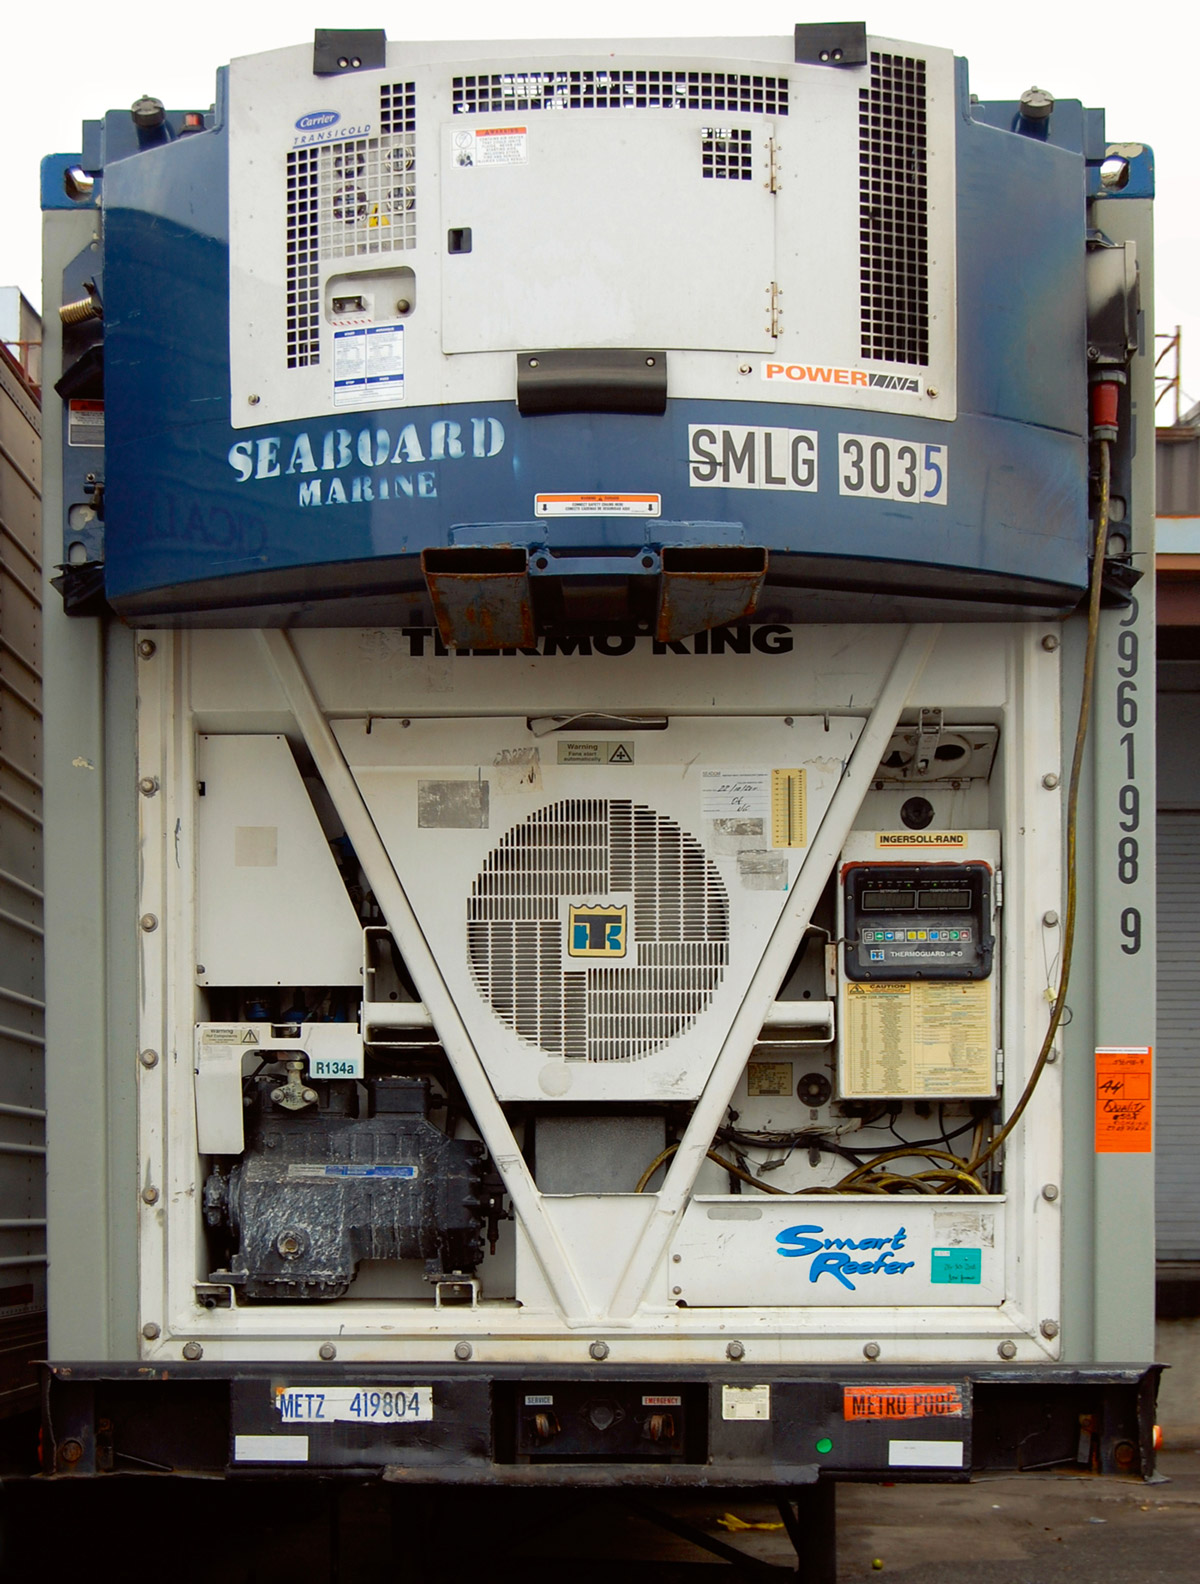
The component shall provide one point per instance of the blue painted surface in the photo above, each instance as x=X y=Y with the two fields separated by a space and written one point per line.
x=178 y=511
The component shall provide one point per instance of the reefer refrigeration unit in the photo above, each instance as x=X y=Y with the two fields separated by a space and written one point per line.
x=584 y=570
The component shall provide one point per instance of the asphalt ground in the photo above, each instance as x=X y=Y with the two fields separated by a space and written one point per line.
x=1018 y=1529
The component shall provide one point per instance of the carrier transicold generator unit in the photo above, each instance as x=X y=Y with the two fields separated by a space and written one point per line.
x=599 y=758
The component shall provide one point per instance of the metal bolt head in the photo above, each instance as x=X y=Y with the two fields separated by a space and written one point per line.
x=150 y=1195
x=254 y=400
x=327 y=1351
x=1050 y=918
x=735 y=1351
x=931 y=390
x=870 y=1350
x=151 y=1331
x=1007 y=1350
x=463 y=1351
x=1050 y=642
x=148 y=112
x=745 y=368
x=1049 y=1329
x=148 y=786
x=676 y=1259
x=1037 y=104
x=676 y=1291
x=1050 y=1192
x=148 y=1058
x=598 y=1351
x=147 y=647
x=1050 y=781
x=71 y=1451
x=148 y=922
x=192 y=1351
x=403 y=305
x=310 y=1095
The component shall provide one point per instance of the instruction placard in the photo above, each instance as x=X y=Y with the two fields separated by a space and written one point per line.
x=1124 y=1100
x=368 y=364
x=917 y=1038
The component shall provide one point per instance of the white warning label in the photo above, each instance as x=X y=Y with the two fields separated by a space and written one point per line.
x=368 y=364
x=507 y=145
x=597 y=505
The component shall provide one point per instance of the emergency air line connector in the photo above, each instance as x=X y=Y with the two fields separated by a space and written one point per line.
x=672 y=1199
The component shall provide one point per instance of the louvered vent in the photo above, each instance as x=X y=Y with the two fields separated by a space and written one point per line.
x=893 y=211
x=614 y=854
x=727 y=154
x=303 y=287
x=743 y=92
x=346 y=200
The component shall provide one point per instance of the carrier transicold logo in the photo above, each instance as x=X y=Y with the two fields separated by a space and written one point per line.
x=596 y=931
x=317 y=118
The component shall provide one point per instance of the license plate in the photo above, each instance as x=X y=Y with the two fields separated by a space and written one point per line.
x=355 y=1404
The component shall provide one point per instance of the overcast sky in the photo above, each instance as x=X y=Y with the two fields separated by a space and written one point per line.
x=74 y=61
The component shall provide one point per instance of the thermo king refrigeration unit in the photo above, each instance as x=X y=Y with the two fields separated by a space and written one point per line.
x=591 y=935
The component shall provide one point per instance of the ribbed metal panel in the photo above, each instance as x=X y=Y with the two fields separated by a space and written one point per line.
x=22 y=1028
x=1177 y=1180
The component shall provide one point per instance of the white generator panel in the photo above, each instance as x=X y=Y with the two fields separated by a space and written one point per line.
x=403 y=232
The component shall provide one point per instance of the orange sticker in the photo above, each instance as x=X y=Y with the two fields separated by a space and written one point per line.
x=1124 y=1100
x=902 y=1402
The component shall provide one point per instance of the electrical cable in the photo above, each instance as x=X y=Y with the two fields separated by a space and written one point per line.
x=957 y=1172
x=1081 y=730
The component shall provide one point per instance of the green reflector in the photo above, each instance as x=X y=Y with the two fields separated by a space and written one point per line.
x=824 y=1444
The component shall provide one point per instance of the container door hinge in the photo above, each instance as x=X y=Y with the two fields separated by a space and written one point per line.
x=998 y=888
x=773 y=181
x=775 y=310
x=999 y=1067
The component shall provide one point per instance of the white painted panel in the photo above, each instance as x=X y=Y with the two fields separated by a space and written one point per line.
x=271 y=906
x=750 y=1251
x=444 y=796
x=607 y=234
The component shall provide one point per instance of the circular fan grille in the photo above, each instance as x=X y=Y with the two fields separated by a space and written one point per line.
x=592 y=851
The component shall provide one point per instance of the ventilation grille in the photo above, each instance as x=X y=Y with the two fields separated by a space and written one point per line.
x=593 y=851
x=346 y=200
x=303 y=287
x=621 y=90
x=893 y=211
x=727 y=155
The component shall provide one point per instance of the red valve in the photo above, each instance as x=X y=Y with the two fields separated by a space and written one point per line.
x=1105 y=396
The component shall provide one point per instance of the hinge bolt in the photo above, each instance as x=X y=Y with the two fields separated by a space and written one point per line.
x=147 y=647
x=1007 y=1350
x=735 y=1351
x=148 y=1058
x=148 y=922
x=463 y=1351
x=598 y=1351
x=150 y=1196
x=1050 y=781
x=151 y=1331
x=148 y=786
x=192 y=1351
x=327 y=1351
x=870 y=1350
